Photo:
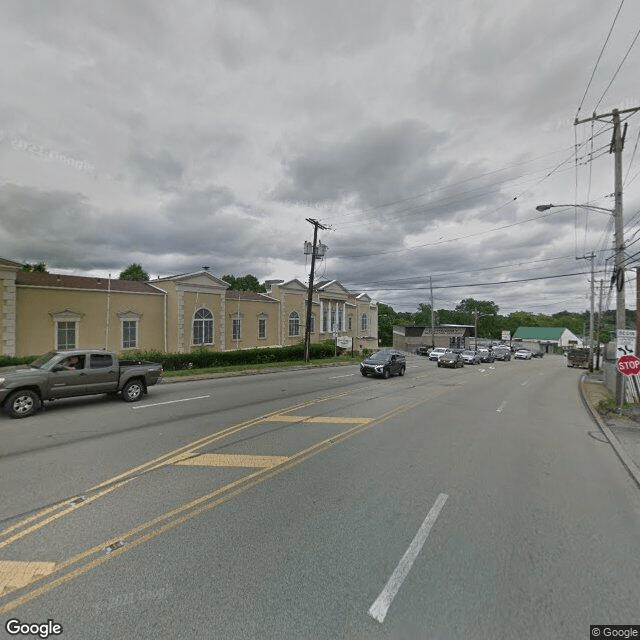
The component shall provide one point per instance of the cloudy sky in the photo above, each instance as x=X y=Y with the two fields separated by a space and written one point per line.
x=191 y=133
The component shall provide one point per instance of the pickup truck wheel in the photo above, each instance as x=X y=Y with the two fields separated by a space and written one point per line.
x=132 y=391
x=23 y=403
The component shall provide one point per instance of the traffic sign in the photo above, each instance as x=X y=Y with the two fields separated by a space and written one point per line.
x=629 y=365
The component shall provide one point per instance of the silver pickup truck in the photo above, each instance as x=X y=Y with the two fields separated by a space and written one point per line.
x=73 y=373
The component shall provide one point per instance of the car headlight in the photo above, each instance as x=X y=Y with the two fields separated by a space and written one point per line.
x=2 y=380
x=379 y=369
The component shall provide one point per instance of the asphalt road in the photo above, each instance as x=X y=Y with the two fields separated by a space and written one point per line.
x=473 y=503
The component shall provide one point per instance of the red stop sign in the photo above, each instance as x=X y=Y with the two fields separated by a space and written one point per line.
x=629 y=365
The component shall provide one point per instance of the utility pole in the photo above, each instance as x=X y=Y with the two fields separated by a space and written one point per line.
x=637 y=310
x=617 y=144
x=433 y=315
x=591 y=258
x=599 y=325
x=475 y=328
x=314 y=254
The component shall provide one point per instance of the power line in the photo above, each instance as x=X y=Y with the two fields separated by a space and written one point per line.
x=435 y=204
x=482 y=284
x=633 y=155
x=618 y=69
x=439 y=242
x=593 y=73
x=449 y=273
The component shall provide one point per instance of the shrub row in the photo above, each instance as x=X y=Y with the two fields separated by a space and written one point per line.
x=8 y=361
x=204 y=359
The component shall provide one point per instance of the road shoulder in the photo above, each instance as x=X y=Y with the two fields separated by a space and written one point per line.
x=621 y=430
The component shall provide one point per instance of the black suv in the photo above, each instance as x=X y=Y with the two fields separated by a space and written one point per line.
x=384 y=364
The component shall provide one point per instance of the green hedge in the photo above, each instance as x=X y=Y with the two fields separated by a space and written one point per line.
x=8 y=361
x=204 y=359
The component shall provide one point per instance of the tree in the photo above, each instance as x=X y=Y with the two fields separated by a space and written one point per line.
x=447 y=316
x=519 y=319
x=487 y=316
x=386 y=319
x=422 y=317
x=40 y=267
x=469 y=305
x=244 y=283
x=134 y=272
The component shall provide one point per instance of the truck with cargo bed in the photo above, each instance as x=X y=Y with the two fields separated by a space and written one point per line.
x=65 y=374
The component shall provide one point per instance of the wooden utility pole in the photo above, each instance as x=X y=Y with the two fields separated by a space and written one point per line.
x=617 y=144
x=433 y=315
x=591 y=258
x=599 y=325
x=314 y=253
x=637 y=310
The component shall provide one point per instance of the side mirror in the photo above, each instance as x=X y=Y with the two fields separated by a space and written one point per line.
x=58 y=367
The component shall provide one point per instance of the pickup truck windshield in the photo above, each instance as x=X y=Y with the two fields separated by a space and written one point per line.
x=37 y=364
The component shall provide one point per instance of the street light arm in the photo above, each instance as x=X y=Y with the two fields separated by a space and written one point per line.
x=546 y=207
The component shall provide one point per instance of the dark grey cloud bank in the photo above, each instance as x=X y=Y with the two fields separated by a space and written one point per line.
x=183 y=135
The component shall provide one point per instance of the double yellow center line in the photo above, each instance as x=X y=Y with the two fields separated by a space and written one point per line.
x=124 y=542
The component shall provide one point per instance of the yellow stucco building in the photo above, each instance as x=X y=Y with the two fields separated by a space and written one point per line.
x=40 y=312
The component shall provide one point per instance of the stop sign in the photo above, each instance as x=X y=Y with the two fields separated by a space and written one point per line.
x=628 y=365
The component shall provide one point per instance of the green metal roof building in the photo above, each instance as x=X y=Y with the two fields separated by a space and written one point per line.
x=558 y=336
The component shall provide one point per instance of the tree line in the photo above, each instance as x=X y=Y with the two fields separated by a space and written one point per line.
x=490 y=323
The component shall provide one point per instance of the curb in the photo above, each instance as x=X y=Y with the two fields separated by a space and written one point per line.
x=625 y=458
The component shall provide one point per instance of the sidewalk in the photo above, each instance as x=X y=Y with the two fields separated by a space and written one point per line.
x=622 y=430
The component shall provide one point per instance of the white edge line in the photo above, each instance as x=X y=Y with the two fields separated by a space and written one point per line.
x=349 y=375
x=157 y=404
x=379 y=608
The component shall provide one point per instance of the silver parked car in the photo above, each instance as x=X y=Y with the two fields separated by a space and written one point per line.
x=471 y=357
x=522 y=354
x=435 y=354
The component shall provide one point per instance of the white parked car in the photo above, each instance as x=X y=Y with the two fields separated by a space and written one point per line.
x=522 y=354
x=436 y=353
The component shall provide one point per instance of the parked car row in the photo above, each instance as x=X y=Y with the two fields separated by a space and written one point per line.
x=487 y=354
x=388 y=362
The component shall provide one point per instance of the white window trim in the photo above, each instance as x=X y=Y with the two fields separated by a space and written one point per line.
x=263 y=318
x=297 y=317
x=130 y=315
x=236 y=318
x=66 y=315
x=76 y=334
x=213 y=328
x=137 y=329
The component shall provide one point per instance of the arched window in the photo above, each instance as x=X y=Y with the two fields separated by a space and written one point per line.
x=364 y=325
x=203 y=327
x=294 y=324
